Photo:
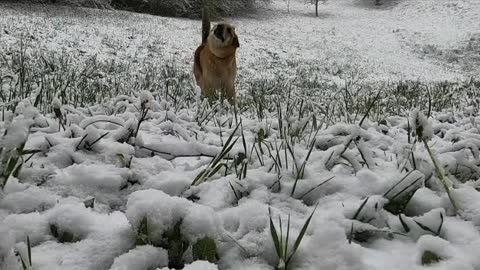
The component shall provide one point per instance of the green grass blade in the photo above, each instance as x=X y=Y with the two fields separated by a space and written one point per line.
x=398 y=183
x=404 y=225
x=231 y=135
x=30 y=151
x=282 y=247
x=406 y=188
x=360 y=208
x=312 y=145
x=228 y=149
x=425 y=228
x=245 y=168
x=29 y=249
x=243 y=139
x=273 y=233
x=286 y=239
x=24 y=265
x=300 y=236
x=234 y=191
x=315 y=187
x=440 y=226
x=350 y=236
x=199 y=177
x=216 y=169
x=370 y=106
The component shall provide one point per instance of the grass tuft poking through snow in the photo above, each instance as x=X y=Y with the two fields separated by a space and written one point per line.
x=284 y=253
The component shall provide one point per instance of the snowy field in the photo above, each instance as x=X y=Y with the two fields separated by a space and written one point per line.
x=365 y=119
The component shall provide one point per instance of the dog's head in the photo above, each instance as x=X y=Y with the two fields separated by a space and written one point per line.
x=223 y=35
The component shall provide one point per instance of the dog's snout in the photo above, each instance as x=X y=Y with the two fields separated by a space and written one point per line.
x=219 y=32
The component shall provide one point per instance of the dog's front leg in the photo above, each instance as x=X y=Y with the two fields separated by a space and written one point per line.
x=230 y=91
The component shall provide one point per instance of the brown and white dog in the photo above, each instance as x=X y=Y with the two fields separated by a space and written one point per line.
x=215 y=65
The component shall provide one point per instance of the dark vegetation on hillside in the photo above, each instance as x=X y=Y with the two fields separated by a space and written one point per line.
x=101 y=4
x=187 y=8
x=170 y=8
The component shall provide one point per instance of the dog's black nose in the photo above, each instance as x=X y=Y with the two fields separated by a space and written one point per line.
x=219 y=32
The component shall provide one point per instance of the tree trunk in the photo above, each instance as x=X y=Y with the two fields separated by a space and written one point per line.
x=316 y=8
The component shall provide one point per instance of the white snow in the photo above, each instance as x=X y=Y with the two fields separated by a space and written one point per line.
x=143 y=257
x=197 y=221
x=94 y=176
x=420 y=125
x=201 y=265
x=56 y=103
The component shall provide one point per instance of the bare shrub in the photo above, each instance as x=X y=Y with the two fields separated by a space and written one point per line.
x=100 y=4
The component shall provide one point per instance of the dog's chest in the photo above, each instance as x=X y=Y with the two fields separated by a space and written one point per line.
x=221 y=66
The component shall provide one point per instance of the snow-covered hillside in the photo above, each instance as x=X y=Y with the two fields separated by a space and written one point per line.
x=113 y=162
x=408 y=39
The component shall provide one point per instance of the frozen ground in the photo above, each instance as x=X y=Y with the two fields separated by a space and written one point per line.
x=83 y=195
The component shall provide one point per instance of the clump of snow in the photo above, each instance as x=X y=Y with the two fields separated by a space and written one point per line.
x=193 y=148
x=140 y=258
x=34 y=225
x=103 y=121
x=468 y=200
x=200 y=265
x=75 y=219
x=372 y=210
x=421 y=125
x=146 y=203
x=239 y=263
x=372 y=183
x=145 y=98
x=7 y=242
x=329 y=248
x=433 y=220
x=249 y=216
x=56 y=103
x=449 y=255
x=28 y=200
x=17 y=133
x=13 y=185
x=172 y=183
x=411 y=181
x=163 y=212
x=99 y=238
x=106 y=177
x=200 y=221
x=26 y=109
x=445 y=118
x=126 y=132
x=147 y=101
x=423 y=201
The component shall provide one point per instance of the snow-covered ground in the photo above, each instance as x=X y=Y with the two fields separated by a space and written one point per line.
x=95 y=195
x=409 y=39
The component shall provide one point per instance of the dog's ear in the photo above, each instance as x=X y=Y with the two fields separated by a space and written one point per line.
x=235 y=42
